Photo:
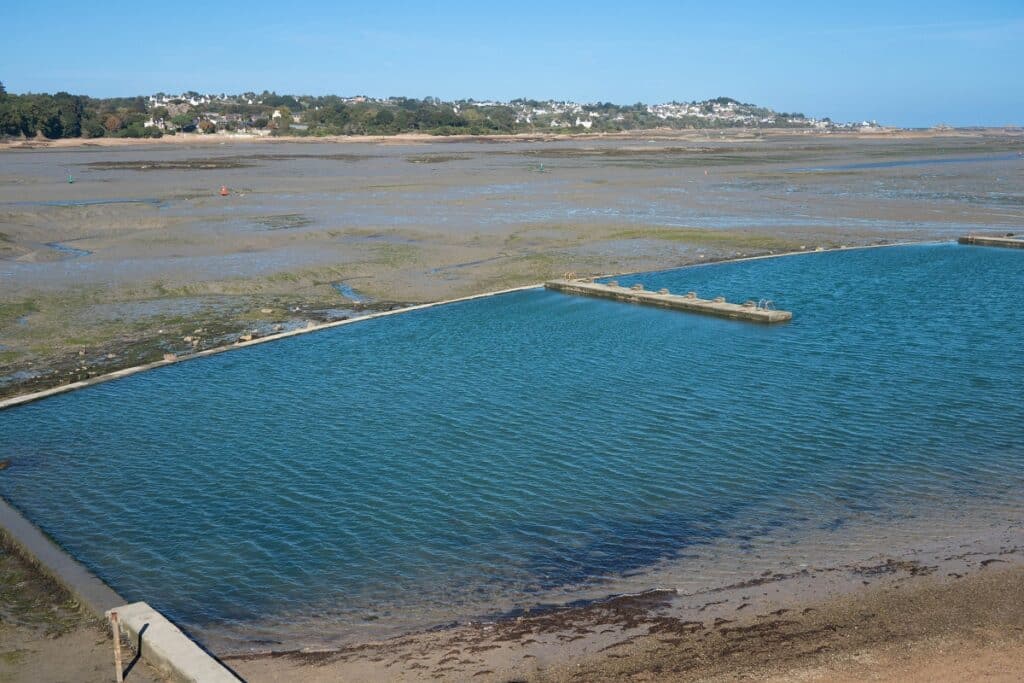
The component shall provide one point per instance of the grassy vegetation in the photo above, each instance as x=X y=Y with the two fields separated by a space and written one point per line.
x=337 y=156
x=284 y=221
x=678 y=157
x=926 y=149
x=722 y=239
x=31 y=599
x=407 y=187
x=435 y=158
x=10 y=312
x=394 y=255
x=181 y=165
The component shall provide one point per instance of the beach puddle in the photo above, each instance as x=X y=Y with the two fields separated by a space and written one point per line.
x=67 y=251
x=347 y=292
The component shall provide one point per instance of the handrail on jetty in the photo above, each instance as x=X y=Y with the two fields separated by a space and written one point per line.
x=762 y=311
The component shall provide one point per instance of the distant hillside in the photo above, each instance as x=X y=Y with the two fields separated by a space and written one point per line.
x=66 y=115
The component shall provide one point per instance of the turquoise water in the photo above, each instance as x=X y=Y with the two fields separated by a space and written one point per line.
x=452 y=462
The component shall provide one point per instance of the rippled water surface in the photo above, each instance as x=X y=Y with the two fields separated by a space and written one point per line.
x=446 y=463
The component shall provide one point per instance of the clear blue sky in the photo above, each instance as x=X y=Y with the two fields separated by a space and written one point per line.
x=902 y=63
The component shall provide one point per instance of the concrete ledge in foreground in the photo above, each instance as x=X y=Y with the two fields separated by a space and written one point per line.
x=34 y=545
x=167 y=649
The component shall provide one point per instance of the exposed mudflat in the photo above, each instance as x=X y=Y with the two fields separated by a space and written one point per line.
x=141 y=251
x=141 y=256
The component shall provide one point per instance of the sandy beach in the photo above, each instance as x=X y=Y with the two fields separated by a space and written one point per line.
x=950 y=628
x=46 y=636
x=140 y=257
x=961 y=618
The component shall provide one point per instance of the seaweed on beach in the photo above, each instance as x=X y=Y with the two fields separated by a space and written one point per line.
x=293 y=156
x=435 y=158
x=29 y=598
x=284 y=221
x=177 y=165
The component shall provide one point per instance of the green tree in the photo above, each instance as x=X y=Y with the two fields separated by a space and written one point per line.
x=112 y=123
x=70 y=110
x=10 y=117
x=284 y=122
x=185 y=122
x=92 y=128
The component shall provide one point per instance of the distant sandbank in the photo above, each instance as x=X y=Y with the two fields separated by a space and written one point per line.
x=189 y=139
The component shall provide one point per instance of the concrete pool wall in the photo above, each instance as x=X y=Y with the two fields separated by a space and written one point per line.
x=91 y=591
x=64 y=388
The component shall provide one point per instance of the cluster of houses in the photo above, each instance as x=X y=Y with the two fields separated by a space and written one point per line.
x=194 y=99
x=550 y=114
x=214 y=121
x=205 y=114
x=722 y=110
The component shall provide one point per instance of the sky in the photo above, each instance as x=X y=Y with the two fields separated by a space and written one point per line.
x=911 y=64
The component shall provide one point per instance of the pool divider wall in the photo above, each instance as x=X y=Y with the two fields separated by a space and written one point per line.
x=88 y=589
x=35 y=396
x=636 y=294
x=117 y=374
x=992 y=241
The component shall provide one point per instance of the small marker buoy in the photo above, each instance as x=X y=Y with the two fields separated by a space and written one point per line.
x=224 y=191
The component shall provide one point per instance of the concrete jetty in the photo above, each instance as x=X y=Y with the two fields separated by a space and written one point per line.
x=169 y=650
x=1011 y=241
x=761 y=312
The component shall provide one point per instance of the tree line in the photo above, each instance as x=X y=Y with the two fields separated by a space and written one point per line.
x=63 y=115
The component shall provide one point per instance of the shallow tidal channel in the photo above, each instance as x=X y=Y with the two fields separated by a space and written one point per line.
x=496 y=454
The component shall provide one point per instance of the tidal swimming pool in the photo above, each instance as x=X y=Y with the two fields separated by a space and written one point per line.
x=460 y=461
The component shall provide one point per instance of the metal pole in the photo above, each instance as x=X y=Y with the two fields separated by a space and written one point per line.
x=117 y=648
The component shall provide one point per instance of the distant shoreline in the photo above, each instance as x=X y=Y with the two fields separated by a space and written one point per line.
x=696 y=134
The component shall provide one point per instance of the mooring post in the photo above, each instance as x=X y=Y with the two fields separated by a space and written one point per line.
x=119 y=669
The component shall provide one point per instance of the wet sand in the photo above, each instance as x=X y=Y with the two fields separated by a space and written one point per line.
x=952 y=627
x=46 y=636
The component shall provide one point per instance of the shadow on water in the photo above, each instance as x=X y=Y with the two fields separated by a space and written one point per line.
x=69 y=252
x=347 y=292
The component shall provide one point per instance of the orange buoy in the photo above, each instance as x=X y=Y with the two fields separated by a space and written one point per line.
x=224 y=191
